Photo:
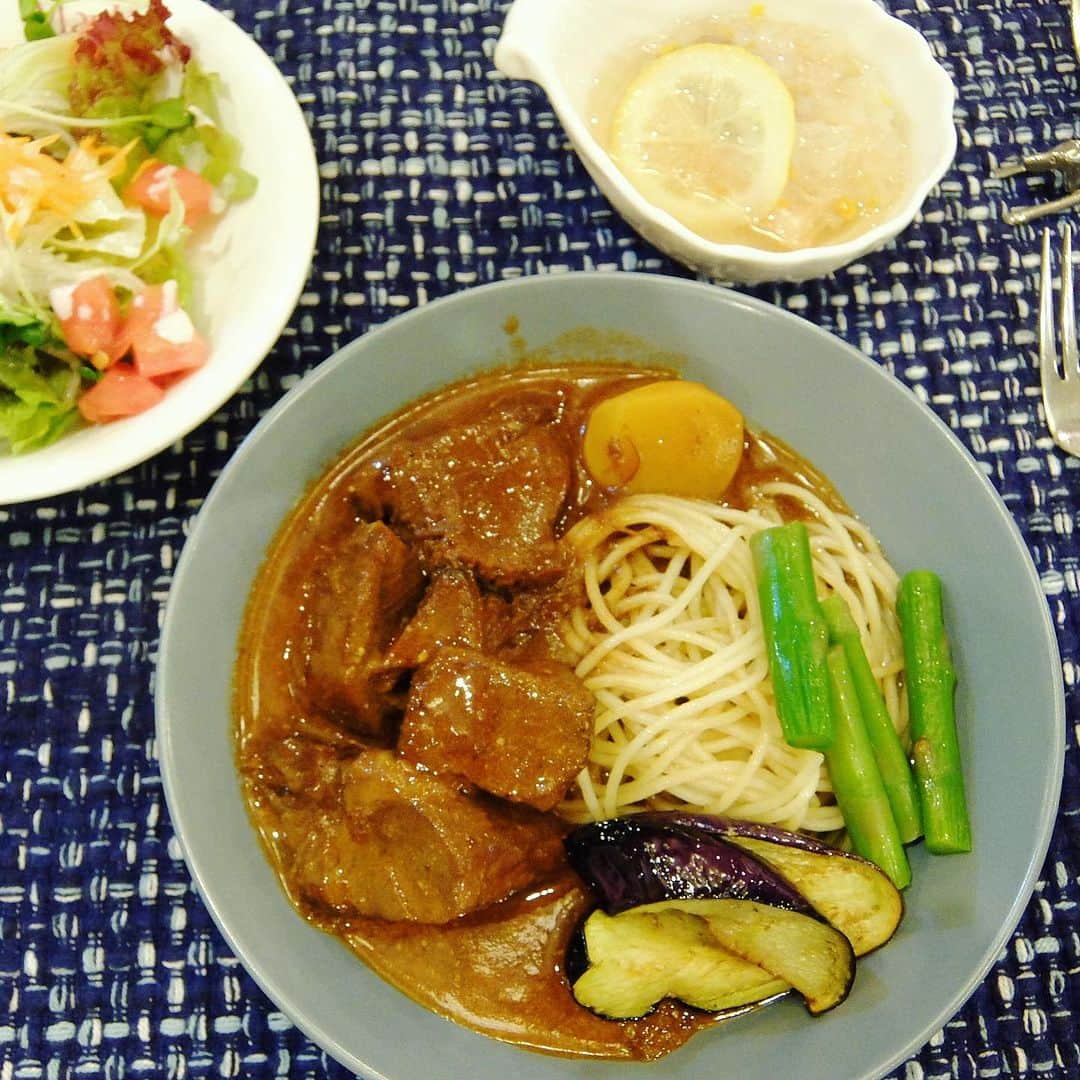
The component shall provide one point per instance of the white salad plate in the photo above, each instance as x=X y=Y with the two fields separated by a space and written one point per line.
x=898 y=466
x=250 y=267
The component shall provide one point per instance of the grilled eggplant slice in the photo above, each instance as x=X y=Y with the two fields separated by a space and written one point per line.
x=720 y=914
x=718 y=955
x=640 y=957
x=645 y=858
x=851 y=892
x=814 y=957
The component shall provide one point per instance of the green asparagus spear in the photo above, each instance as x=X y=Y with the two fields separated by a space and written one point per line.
x=889 y=752
x=796 y=636
x=931 y=681
x=857 y=782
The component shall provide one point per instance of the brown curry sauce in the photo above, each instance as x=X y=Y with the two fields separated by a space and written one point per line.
x=499 y=970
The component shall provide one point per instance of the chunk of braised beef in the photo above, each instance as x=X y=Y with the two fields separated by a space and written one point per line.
x=485 y=496
x=451 y=613
x=402 y=844
x=297 y=770
x=516 y=729
x=360 y=596
x=529 y=619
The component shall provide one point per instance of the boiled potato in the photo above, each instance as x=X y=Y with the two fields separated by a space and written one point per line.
x=670 y=437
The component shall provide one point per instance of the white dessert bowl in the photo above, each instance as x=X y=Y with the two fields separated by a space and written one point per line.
x=568 y=46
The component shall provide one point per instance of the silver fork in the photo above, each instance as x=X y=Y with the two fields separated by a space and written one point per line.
x=1060 y=377
x=1063 y=158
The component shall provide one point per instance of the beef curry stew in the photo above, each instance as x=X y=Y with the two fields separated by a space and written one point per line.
x=407 y=720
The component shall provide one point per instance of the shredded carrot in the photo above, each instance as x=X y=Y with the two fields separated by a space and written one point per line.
x=33 y=180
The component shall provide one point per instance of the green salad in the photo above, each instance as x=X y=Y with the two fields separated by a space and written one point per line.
x=112 y=158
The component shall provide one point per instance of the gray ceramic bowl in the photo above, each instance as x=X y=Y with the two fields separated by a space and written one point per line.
x=901 y=470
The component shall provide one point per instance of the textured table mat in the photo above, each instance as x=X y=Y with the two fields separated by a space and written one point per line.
x=438 y=175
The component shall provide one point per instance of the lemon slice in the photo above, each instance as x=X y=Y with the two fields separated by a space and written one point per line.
x=706 y=133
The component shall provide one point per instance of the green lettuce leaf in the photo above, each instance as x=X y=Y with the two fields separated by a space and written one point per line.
x=34 y=77
x=205 y=147
x=35 y=21
x=21 y=326
x=37 y=399
x=165 y=258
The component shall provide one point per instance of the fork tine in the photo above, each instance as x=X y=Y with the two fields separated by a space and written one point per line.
x=1047 y=352
x=1070 y=354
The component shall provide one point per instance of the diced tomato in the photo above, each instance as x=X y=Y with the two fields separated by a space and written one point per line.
x=155 y=357
x=89 y=316
x=159 y=334
x=144 y=310
x=152 y=187
x=121 y=391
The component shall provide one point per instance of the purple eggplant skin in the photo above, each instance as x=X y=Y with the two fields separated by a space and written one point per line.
x=732 y=828
x=646 y=858
x=576 y=962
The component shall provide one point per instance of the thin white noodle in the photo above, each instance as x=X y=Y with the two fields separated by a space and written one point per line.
x=668 y=638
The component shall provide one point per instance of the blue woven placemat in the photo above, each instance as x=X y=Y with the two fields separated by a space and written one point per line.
x=438 y=175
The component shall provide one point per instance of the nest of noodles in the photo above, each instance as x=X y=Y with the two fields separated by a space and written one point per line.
x=668 y=637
